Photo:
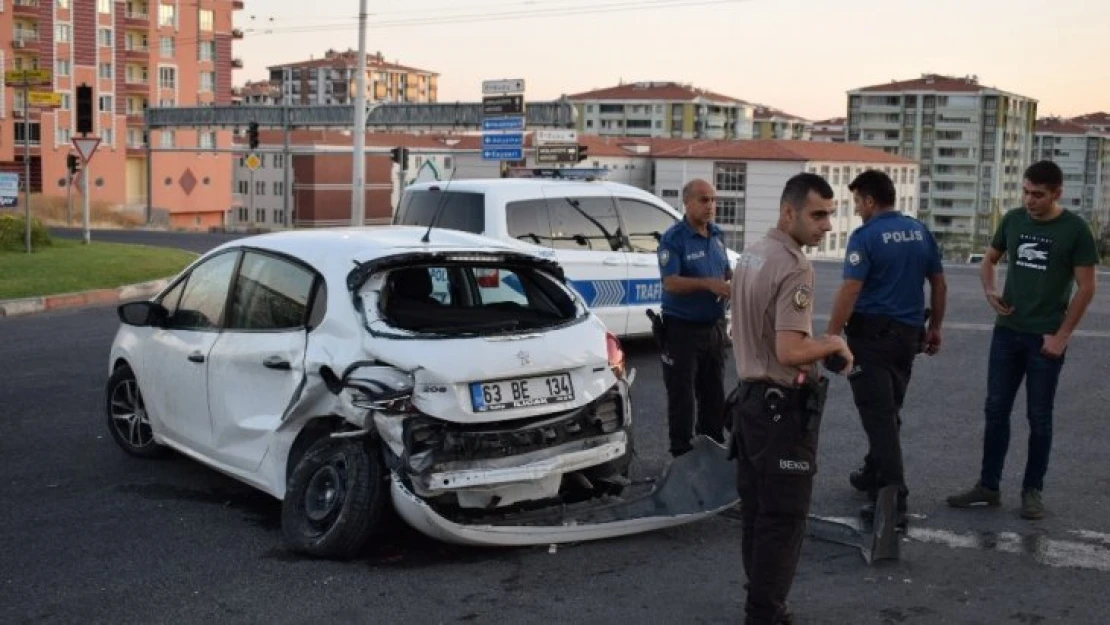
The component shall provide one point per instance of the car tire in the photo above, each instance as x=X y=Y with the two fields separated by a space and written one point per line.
x=128 y=420
x=335 y=499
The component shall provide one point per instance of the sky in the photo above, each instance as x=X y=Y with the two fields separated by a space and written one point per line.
x=801 y=56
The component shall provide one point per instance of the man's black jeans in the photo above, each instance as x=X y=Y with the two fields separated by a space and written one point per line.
x=693 y=360
x=884 y=351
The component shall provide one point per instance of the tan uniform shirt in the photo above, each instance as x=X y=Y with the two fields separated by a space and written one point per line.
x=772 y=291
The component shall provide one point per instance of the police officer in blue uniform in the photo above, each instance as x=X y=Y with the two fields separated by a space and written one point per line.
x=880 y=306
x=695 y=273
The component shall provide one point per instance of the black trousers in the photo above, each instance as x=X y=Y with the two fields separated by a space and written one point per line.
x=775 y=438
x=693 y=358
x=885 y=351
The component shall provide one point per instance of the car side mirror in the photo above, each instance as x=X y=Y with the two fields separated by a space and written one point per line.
x=142 y=313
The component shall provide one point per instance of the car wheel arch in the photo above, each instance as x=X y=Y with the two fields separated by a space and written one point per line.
x=313 y=430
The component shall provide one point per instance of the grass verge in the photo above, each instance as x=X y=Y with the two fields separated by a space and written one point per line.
x=70 y=266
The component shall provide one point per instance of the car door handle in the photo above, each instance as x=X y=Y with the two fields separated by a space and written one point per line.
x=276 y=362
x=196 y=357
x=611 y=261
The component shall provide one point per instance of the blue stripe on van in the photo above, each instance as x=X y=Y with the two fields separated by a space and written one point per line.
x=606 y=293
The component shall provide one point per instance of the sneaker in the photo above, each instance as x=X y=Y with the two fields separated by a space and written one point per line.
x=978 y=495
x=1031 y=505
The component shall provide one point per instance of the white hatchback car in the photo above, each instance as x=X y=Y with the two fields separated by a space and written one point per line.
x=604 y=234
x=338 y=370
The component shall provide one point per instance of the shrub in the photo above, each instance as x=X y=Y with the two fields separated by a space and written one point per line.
x=12 y=233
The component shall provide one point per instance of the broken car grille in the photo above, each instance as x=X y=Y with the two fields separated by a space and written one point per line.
x=448 y=441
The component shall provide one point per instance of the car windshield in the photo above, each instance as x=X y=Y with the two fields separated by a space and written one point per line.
x=474 y=299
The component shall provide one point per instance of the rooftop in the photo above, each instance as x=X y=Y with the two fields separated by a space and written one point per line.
x=349 y=58
x=933 y=82
x=660 y=91
x=1060 y=126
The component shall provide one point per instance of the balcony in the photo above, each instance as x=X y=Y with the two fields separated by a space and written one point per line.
x=236 y=33
x=237 y=5
x=21 y=37
x=136 y=52
x=136 y=16
x=25 y=7
x=237 y=63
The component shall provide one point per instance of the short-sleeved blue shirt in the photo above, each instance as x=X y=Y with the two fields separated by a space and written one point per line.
x=892 y=255
x=684 y=252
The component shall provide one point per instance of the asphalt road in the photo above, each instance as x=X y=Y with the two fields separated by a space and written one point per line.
x=91 y=535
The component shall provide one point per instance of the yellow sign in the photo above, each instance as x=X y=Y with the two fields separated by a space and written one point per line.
x=29 y=76
x=44 y=99
x=253 y=162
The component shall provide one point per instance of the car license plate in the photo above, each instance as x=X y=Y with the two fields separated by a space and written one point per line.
x=521 y=392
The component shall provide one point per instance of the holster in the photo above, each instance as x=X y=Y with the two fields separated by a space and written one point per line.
x=775 y=428
x=658 y=329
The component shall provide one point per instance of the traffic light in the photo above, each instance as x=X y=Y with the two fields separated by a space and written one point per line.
x=71 y=163
x=400 y=156
x=84 y=109
x=252 y=135
x=583 y=153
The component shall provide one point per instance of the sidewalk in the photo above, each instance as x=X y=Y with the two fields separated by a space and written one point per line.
x=33 y=305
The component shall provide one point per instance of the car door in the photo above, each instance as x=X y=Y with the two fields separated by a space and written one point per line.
x=586 y=235
x=645 y=223
x=176 y=359
x=257 y=366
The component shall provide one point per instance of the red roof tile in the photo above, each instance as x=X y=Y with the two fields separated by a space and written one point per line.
x=1057 y=126
x=1094 y=119
x=930 y=82
x=774 y=150
x=654 y=91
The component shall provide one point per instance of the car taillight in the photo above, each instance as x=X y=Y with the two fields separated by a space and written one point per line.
x=615 y=353
x=488 y=278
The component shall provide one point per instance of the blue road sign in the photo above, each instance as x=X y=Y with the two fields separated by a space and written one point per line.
x=503 y=123
x=9 y=190
x=503 y=154
x=509 y=140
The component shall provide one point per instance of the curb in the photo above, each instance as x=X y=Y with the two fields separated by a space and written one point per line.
x=33 y=305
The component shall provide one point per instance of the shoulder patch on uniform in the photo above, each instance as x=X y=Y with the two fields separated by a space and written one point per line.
x=802 y=297
x=854 y=258
x=664 y=256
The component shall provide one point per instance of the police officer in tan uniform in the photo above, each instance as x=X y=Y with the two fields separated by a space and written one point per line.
x=777 y=406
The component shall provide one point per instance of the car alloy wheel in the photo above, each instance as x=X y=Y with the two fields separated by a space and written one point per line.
x=128 y=419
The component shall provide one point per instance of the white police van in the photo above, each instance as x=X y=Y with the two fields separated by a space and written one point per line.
x=604 y=234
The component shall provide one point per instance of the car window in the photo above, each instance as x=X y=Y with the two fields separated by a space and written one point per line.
x=646 y=223
x=584 y=223
x=460 y=210
x=270 y=293
x=527 y=220
x=205 y=295
x=479 y=299
x=171 y=297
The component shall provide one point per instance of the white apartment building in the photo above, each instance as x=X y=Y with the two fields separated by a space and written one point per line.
x=1084 y=156
x=749 y=177
x=972 y=143
x=832 y=130
x=662 y=109
x=771 y=123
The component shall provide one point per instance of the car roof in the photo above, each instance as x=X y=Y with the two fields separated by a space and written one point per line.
x=524 y=187
x=331 y=249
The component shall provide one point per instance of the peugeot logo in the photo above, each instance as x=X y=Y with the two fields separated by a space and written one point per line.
x=525 y=358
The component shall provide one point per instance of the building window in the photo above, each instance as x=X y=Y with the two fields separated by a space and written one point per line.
x=104 y=37
x=730 y=177
x=205 y=17
x=167 y=15
x=62 y=136
x=105 y=71
x=168 y=140
x=207 y=81
x=165 y=45
x=167 y=77
x=244 y=188
x=207 y=51
x=206 y=140
x=61 y=67
x=62 y=33
x=106 y=137
x=104 y=6
x=106 y=104
x=279 y=189
x=260 y=187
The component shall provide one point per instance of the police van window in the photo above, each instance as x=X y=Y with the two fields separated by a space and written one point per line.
x=646 y=224
x=584 y=224
x=460 y=211
x=527 y=220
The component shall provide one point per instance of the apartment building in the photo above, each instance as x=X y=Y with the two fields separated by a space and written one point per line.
x=1099 y=122
x=333 y=79
x=1084 y=156
x=749 y=177
x=972 y=142
x=662 y=109
x=771 y=123
x=832 y=130
x=256 y=93
x=134 y=54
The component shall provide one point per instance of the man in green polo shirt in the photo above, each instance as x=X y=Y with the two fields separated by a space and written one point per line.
x=1048 y=248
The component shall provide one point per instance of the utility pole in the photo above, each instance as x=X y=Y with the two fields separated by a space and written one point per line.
x=27 y=160
x=358 y=155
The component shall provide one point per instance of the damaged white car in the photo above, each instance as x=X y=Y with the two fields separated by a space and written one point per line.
x=453 y=378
